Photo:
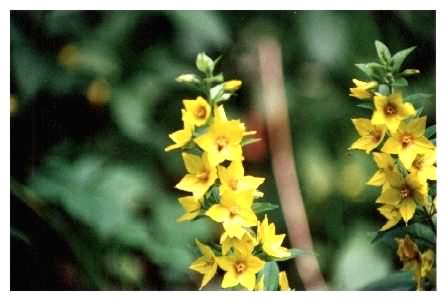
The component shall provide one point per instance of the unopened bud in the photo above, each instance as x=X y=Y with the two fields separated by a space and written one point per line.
x=408 y=72
x=187 y=78
x=232 y=85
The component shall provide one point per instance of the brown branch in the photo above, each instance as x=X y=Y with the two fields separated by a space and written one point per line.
x=276 y=114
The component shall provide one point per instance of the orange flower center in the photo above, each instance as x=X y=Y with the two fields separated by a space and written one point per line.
x=240 y=267
x=390 y=109
x=233 y=211
x=221 y=142
x=201 y=112
x=233 y=184
x=418 y=162
x=405 y=192
x=376 y=135
x=202 y=176
x=406 y=140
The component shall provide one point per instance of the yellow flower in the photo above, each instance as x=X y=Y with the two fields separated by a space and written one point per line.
x=283 y=281
x=234 y=211
x=390 y=110
x=392 y=214
x=201 y=175
x=408 y=141
x=181 y=137
x=198 y=110
x=205 y=264
x=245 y=244
x=371 y=135
x=414 y=261
x=386 y=165
x=423 y=166
x=232 y=85
x=270 y=242
x=223 y=139
x=361 y=91
x=405 y=194
x=192 y=207
x=240 y=268
x=233 y=178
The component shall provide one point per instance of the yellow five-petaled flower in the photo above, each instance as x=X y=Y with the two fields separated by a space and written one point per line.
x=205 y=264
x=240 y=268
x=271 y=243
x=201 y=175
x=222 y=141
x=408 y=141
x=391 y=110
x=371 y=135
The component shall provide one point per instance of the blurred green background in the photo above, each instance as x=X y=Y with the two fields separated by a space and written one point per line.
x=93 y=98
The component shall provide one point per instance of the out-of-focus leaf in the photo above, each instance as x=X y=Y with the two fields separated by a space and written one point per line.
x=261 y=206
x=270 y=272
x=401 y=82
x=430 y=131
x=418 y=231
x=399 y=57
x=365 y=105
x=398 y=281
x=17 y=234
x=418 y=99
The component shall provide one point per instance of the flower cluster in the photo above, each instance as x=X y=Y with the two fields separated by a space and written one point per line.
x=219 y=189
x=397 y=137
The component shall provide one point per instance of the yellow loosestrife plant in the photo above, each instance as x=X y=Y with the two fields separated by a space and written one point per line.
x=211 y=148
x=395 y=133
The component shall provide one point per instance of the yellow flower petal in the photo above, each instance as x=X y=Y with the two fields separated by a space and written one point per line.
x=407 y=209
x=247 y=280
x=218 y=213
x=283 y=281
x=193 y=164
x=377 y=179
x=209 y=275
x=229 y=280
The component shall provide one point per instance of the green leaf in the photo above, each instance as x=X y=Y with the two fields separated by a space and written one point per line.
x=384 y=89
x=216 y=93
x=365 y=105
x=418 y=99
x=259 y=207
x=419 y=111
x=270 y=272
x=365 y=68
x=398 y=281
x=430 y=131
x=400 y=82
x=399 y=57
x=383 y=52
x=421 y=233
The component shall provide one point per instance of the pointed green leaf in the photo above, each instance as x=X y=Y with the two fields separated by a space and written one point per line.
x=395 y=281
x=430 y=131
x=365 y=105
x=399 y=57
x=383 y=52
x=259 y=207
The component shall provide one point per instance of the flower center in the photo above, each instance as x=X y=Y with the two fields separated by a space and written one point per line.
x=201 y=112
x=390 y=109
x=406 y=140
x=418 y=162
x=240 y=267
x=202 y=176
x=233 y=184
x=376 y=135
x=405 y=192
x=233 y=211
x=221 y=142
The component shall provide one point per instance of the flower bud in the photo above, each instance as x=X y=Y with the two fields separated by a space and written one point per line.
x=187 y=78
x=232 y=85
x=408 y=72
